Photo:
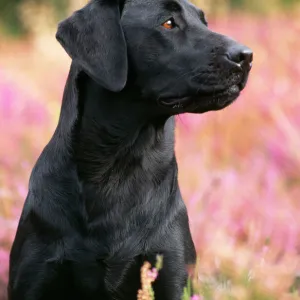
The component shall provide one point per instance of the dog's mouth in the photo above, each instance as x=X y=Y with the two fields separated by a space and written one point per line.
x=203 y=101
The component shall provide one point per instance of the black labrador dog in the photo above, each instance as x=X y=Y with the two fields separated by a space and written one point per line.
x=103 y=196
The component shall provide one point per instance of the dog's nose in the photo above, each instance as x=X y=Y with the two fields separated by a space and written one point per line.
x=240 y=55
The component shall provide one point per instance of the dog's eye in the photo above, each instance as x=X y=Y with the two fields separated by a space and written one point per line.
x=169 y=24
x=203 y=19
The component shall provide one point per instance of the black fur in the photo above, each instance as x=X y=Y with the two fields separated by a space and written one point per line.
x=103 y=196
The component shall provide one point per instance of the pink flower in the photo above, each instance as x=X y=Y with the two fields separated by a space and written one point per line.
x=153 y=273
x=196 y=297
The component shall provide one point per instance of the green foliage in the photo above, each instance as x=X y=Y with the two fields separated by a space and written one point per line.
x=187 y=292
x=9 y=17
x=247 y=3
x=10 y=20
x=159 y=262
x=257 y=6
x=11 y=23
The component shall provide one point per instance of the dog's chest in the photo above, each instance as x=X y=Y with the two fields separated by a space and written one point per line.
x=125 y=220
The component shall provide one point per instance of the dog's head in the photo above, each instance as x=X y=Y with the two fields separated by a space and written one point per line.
x=162 y=48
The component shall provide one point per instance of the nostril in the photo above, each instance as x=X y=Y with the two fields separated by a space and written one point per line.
x=246 y=56
x=240 y=55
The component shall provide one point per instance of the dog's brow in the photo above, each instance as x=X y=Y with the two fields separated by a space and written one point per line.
x=172 y=6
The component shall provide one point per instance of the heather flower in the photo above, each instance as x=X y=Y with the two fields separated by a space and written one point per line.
x=148 y=276
x=196 y=297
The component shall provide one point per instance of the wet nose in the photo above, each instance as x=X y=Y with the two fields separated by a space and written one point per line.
x=240 y=55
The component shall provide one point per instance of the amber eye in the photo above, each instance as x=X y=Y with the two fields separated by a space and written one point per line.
x=169 y=24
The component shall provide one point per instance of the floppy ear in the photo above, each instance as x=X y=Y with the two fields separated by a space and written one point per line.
x=94 y=39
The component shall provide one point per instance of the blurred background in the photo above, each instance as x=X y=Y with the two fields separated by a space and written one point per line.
x=239 y=168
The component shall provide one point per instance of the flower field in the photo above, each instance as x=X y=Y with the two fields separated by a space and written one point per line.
x=239 y=168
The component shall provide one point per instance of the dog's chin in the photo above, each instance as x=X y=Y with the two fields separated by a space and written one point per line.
x=215 y=102
x=202 y=103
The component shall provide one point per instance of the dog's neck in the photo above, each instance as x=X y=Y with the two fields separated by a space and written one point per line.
x=120 y=137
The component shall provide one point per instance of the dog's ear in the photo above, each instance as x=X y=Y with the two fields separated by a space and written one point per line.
x=94 y=39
